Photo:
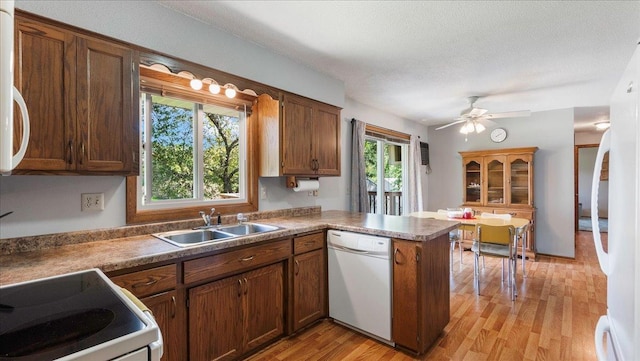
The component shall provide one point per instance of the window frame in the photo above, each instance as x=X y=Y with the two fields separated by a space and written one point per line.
x=198 y=159
x=383 y=137
x=134 y=215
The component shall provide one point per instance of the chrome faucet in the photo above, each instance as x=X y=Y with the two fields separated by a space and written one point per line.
x=207 y=217
x=241 y=218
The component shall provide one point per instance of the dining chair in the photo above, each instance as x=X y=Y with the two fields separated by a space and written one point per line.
x=521 y=237
x=454 y=237
x=496 y=241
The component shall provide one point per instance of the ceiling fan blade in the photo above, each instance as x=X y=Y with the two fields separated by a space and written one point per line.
x=450 y=124
x=476 y=112
x=520 y=113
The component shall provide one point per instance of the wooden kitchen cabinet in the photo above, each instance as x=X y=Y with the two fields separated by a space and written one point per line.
x=155 y=287
x=78 y=90
x=165 y=311
x=501 y=181
x=298 y=137
x=232 y=316
x=309 y=280
x=420 y=292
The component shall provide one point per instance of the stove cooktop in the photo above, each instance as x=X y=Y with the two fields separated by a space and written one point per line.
x=51 y=318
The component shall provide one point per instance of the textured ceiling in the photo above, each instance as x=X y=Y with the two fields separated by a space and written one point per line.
x=421 y=59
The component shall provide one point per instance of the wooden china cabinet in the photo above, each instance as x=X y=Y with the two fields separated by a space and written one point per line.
x=501 y=181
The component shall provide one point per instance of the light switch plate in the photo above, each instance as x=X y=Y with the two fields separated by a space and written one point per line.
x=92 y=202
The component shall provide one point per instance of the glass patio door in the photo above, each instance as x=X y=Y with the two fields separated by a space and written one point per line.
x=386 y=175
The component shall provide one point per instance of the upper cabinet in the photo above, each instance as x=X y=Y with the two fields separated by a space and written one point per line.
x=79 y=93
x=498 y=178
x=298 y=137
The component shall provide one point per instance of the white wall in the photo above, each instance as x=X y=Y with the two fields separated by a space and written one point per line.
x=552 y=132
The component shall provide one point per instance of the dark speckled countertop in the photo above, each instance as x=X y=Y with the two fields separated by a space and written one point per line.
x=127 y=252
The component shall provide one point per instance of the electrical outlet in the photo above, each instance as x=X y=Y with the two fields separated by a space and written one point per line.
x=315 y=193
x=263 y=192
x=92 y=202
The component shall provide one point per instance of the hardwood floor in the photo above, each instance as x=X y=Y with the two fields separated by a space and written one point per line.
x=553 y=317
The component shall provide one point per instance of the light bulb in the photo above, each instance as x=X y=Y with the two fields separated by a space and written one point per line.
x=214 y=88
x=463 y=130
x=196 y=84
x=480 y=128
x=230 y=90
x=469 y=127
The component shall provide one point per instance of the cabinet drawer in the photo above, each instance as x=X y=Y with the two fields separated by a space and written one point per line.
x=148 y=282
x=308 y=243
x=235 y=261
x=515 y=213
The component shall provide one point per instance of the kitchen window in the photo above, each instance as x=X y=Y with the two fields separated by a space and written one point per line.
x=191 y=153
x=197 y=149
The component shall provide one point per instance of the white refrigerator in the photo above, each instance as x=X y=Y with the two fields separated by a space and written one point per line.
x=617 y=334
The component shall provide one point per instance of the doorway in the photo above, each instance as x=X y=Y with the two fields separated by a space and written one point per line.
x=584 y=162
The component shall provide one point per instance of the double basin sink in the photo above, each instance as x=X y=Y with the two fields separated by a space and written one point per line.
x=192 y=237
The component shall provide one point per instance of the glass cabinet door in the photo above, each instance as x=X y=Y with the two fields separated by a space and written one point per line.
x=472 y=181
x=520 y=180
x=495 y=180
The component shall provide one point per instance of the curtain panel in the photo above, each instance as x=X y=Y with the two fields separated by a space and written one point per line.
x=359 y=194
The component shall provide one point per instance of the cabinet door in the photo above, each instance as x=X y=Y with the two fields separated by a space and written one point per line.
x=45 y=75
x=326 y=140
x=164 y=310
x=108 y=130
x=405 y=294
x=215 y=320
x=297 y=133
x=263 y=305
x=494 y=182
x=472 y=169
x=520 y=184
x=308 y=288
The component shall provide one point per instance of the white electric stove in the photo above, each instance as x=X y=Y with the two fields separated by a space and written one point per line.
x=76 y=316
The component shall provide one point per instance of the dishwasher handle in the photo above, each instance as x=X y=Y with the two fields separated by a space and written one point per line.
x=348 y=249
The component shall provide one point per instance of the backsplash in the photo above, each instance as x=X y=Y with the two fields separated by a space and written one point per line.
x=25 y=244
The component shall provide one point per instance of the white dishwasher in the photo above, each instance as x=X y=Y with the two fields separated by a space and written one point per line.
x=360 y=282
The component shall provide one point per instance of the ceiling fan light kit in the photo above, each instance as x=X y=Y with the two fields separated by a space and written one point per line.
x=472 y=116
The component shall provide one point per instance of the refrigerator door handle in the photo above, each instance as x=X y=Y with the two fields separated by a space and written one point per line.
x=603 y=257
x=602 y=327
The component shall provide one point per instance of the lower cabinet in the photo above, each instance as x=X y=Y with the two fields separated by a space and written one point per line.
x=165 y=311
x=232 y=316
x=420 y=292
x=155 y=287
x=309 y=287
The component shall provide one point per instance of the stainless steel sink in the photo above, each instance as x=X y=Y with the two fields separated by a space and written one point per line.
x=192 y=237
x=248 y=228
x=186 y=238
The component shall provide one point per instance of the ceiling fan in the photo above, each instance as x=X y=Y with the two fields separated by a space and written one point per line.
x=472 y=116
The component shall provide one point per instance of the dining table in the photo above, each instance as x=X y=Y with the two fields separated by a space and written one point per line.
x=520 y=224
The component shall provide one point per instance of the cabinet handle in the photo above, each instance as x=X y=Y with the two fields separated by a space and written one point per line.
x=317 y=164
x=239 y=287
x=297 y=267
x=246 y=286
x=70 y=158
x=173 y=306
x=395 y=256
x=247 y=259
x=81 y=153
x=144 y=284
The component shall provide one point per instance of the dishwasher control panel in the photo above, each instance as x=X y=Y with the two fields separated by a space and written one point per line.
x=359 y=242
